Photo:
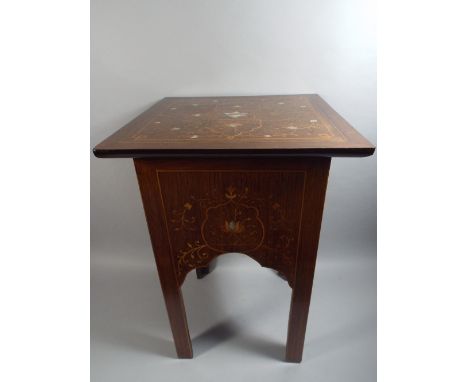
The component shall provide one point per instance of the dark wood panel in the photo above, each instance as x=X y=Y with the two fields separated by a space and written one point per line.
x=316 y=186
x=157 y=227
x=271 y=210
x=288 y=125
x=213 y=212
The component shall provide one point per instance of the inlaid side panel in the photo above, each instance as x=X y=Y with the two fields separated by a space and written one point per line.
x=209 y=213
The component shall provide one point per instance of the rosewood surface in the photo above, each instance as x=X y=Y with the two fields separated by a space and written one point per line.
x=235 y=174
x=270 y=210
x=294 y=125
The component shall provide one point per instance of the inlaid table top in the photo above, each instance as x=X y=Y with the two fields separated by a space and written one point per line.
x=291 y=125
x=249 y=175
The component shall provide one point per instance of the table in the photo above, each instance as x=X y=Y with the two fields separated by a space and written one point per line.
x=235 y=174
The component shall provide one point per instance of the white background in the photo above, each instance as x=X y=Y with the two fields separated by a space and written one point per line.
x=422 y=193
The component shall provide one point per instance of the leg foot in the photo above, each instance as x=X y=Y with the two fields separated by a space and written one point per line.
x=299 y=312
x=178 y=321
x=203 y=271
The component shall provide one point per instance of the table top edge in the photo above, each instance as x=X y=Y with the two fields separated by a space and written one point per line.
x=240 y=153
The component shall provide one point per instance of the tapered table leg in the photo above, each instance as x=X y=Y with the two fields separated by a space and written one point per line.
x=177 y=318
x=316 y=186
x=152 y=203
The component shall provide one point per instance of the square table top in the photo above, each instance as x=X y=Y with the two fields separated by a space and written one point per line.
x=277 y=125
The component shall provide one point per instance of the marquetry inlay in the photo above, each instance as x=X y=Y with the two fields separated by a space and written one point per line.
x=236 y=118
x=235 y=174
x=290 y=125
x=227 y=212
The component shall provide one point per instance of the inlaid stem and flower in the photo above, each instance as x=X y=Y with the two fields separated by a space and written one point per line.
x=233 y=220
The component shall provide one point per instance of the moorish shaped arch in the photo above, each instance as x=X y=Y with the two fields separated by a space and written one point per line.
x=229 y=212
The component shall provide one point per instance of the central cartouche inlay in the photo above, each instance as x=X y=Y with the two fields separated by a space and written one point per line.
x=232 y=221
x=232 y=225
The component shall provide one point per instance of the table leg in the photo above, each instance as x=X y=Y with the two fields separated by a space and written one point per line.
x=177 y=317
x=309 y=232
x=157 y=226
x=315 y=188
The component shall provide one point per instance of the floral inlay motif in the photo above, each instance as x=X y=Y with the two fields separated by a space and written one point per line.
x=238 y=119
x=233 y=225
x=182 y=220
x=233 y=222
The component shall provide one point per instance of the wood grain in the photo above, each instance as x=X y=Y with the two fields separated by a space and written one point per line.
x=150 y=194
x=315 y=188
x=213 y=212
x=270 y=210
x=235 y=174
x=286 y=125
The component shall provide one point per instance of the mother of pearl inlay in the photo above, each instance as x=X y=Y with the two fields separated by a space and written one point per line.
x=235 y=114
